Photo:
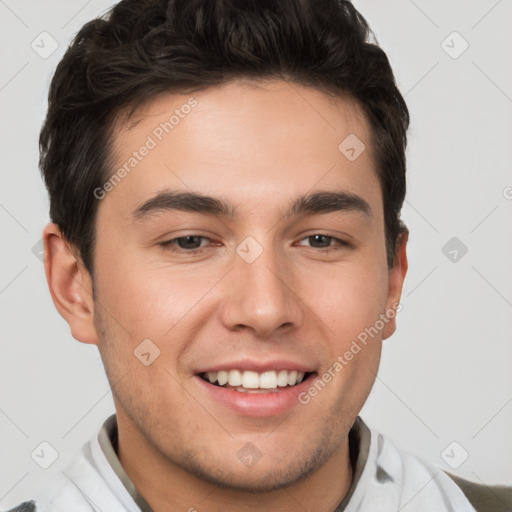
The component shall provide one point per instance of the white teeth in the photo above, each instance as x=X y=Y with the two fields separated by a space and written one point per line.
x=252 y=380
x=222 y=377
x=235 y=378
x=268 y=380
x=282 y=378
x=292 y=378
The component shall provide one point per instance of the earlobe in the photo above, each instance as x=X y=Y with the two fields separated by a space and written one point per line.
x=396 y=281
x=70 y=285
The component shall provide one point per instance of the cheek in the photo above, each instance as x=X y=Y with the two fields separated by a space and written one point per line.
x=149 y=299
x=351 y=303
x=348 y=298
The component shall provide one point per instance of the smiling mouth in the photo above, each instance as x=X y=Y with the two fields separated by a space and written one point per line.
x=253 y=382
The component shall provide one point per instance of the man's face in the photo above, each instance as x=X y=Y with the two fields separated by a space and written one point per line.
x=260 y=294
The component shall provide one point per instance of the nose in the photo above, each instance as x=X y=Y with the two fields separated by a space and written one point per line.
x=260 y=297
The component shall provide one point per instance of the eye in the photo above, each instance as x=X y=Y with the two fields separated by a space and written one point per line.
x=194 y=243
x=321 y=241
x=189 y=243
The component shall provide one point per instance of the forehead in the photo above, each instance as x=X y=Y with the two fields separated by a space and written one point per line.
x=252 y=142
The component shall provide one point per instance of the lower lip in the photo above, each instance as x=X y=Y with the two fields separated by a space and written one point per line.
x=257 y=404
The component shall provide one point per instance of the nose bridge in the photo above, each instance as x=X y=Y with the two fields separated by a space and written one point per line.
x=260 y=296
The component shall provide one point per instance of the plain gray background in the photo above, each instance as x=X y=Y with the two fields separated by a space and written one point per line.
x=444 y=389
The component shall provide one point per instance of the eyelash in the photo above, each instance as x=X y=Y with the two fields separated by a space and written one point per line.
x=169 y=245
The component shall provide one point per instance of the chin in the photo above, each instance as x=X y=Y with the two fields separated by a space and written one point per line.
x=260 y=477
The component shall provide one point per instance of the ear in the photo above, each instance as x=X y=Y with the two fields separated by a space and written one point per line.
x=70 y=285
x=395 y=283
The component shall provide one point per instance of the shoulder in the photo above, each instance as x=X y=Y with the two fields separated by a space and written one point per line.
x=423 y=485
x=59 y=492
x=26 y=506
x=88 y=483
x=485 y=498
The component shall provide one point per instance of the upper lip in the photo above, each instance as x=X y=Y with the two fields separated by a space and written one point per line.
x=258 y=366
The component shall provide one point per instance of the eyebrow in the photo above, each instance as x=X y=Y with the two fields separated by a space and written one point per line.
x=309 y=204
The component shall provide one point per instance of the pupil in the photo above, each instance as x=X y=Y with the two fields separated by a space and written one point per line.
x=185 y=242
x=318 y=238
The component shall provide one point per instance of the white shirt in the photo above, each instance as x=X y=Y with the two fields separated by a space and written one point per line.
x=385 y=479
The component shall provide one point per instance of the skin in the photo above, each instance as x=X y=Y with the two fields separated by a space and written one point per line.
x=259 y=146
